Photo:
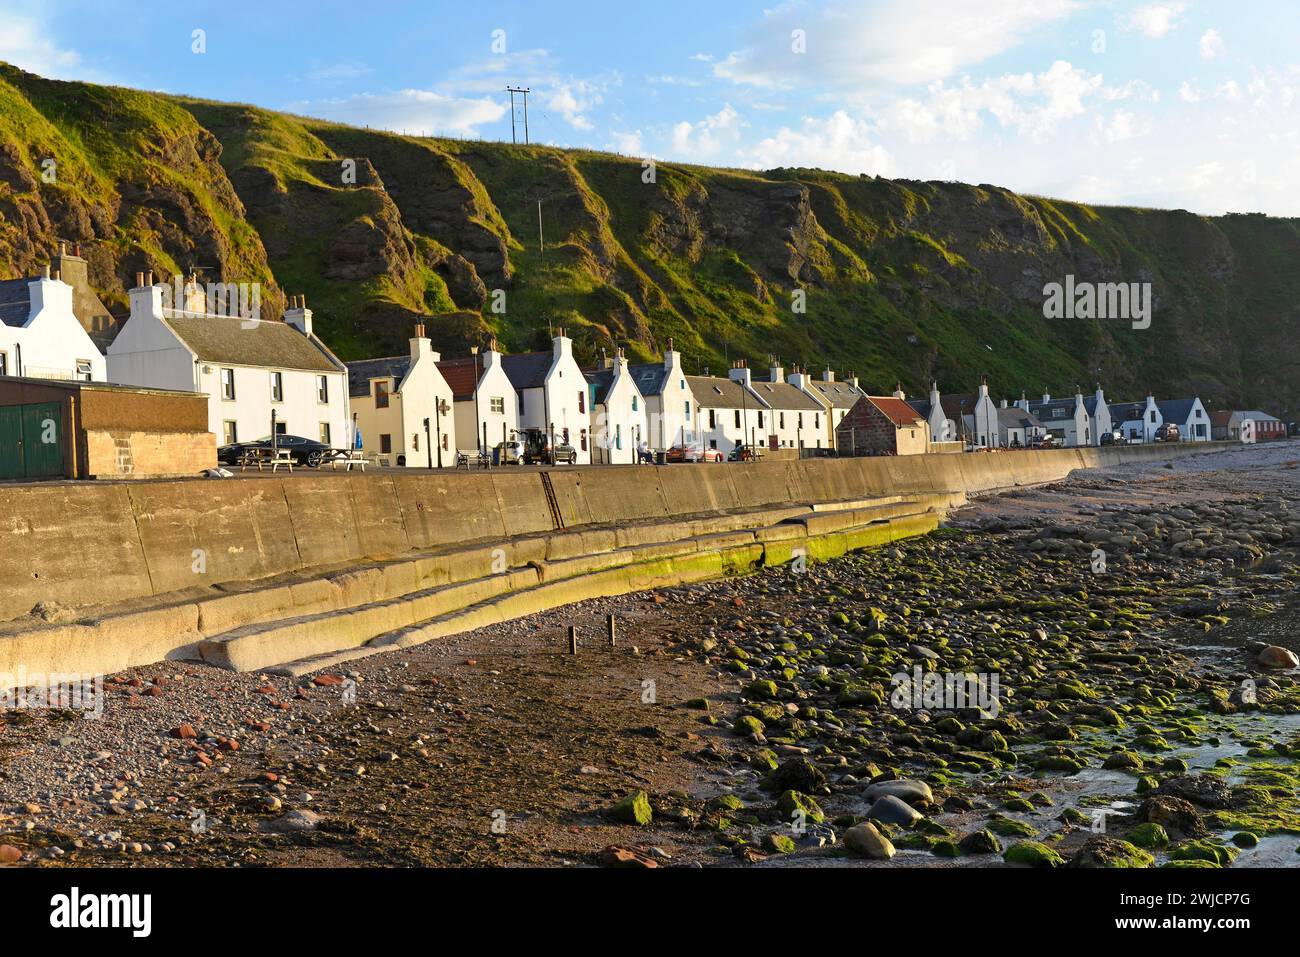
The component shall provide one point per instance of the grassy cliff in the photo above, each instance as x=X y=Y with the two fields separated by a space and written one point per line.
x=900 y=280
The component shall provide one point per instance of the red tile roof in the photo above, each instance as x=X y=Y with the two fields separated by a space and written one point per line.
x=895 y=410
x=460 y=376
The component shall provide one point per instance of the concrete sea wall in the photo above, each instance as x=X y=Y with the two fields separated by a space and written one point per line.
x=78 y=545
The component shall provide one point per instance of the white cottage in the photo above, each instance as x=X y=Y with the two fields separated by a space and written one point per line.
x=835 y=399
x=1191 y=418
x=402 y=408
x=1066 y=420
x=484 y=405
x=251 y=369
x=40 y=336
x=794 y=417
x=552 y=394
x=728 y=412
x=671 y=406
x=619 y=423
x=1137 y=420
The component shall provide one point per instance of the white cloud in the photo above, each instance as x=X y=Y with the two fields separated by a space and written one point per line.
x=1211 y=45
x=1156 y=20
x=410 y=111
x=837 y=142
x=337 y=72
x=1188 y=93
x=1032 y=104
x=25 y=42
x=572 y=100
x=883 y=42
x=630 y=144
x=709 y=137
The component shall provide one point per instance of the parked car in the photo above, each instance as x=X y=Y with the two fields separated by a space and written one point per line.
x=1168 y=433
x=538 y=451
x=308 y=452
x=510 y=453
x=695 y=452
x=1116 y=437
x=1043 y=442
x=742 y=453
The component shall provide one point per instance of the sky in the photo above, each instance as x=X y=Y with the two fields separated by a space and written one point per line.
x=1190 y=104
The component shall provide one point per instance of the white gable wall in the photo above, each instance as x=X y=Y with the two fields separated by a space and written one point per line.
x=52 y=340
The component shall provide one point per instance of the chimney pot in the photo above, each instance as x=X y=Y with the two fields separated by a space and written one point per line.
x=63 y=249
x=45 y=273
x=148 y=278
x=139 y=280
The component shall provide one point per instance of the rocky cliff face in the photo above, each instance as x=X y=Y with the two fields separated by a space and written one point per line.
x=896 y=280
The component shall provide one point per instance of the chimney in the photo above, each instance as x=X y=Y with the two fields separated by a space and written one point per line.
x=828 y=375
x=672 y=360
x=740 y=373
x=299 y=316
x=48 y=293
x=853 y=381
x=421 y=348
x=984 y=389
x=1047 y=397
x=775 y=372
x=562 y=345
x=935 y=398
x=1002 y=404
x=898 y=391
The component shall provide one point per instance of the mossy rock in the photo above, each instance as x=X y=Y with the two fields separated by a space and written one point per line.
x=1149 y=835
x=945 y=849
x=791 y=802
x=763 y=760
x=726 y=802
x=697 y=704
x=1010 y=827
x=633 y=809
x=1034 y=854
x=1189 y=863
x=1124 y=761
x=1220 y=855
x=981 y=842
x=778 y=844
x=1108 y=852
x=747 y=725
x=762 y=690
x=1245 y=839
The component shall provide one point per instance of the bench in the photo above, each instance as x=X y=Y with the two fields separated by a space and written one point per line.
x=348 y=458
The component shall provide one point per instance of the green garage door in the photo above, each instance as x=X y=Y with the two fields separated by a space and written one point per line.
x=31 y=441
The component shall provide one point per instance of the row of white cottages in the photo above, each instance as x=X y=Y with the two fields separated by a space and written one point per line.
x=258 y=371
x=979 y=421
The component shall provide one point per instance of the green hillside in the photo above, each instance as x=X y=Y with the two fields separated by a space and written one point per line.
x=900 y=280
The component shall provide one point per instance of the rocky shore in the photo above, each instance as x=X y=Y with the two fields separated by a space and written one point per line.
x=1098 y=673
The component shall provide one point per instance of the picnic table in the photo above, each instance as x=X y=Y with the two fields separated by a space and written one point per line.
x=266 y=458
x=348 y=458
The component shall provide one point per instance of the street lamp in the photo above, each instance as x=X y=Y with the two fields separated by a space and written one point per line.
x=439 y=410
x=427 y=447
x=478 y=416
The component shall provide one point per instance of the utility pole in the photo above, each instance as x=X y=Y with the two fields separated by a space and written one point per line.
x=524 y=91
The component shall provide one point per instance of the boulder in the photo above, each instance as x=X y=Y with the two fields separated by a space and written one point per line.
x=865 y=841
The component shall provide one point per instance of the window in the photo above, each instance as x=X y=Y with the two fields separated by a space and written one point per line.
x=584 y=438
x=381 y=393
x=618 y=436
x=781 y=416
x=817 y=421
x=323 y=389
x=688 y=410
x=84 y=372
x=737 y=418
x=228 y=384
x=800 y=420
x=760 y=420
x=713 y=422
x=281 y=428
x=497 y=405
x=277 y=387
x=230 y=431
x=521 y=403
x=325 y=433
x=415 y=441
x=634 y=403
x=582 y=402
x=4 y=363
x=385 y=444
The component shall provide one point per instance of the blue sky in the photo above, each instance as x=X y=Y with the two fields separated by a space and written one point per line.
x=1171 y=103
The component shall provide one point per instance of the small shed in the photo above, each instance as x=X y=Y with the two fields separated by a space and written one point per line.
x=64 y=428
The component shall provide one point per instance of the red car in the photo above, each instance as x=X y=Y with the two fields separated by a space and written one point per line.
x=693 y=453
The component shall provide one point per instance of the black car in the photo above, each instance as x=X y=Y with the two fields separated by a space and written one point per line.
x=307 y=452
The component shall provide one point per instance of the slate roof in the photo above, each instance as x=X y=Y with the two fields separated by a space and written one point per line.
x=1255 y=414
x=840 y=395
x=528 y=369
x=714 y=392
x=649 y=377
x=782 y=395
x=1176 y=410
x=1017 y=418
x=1090 y=404
x=1127 y=411
x=15 y=302
x=897 y=411
x=361 y=372
x=460 y=377
x=231 y=340
x=600 y=380
x=1048 y=411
